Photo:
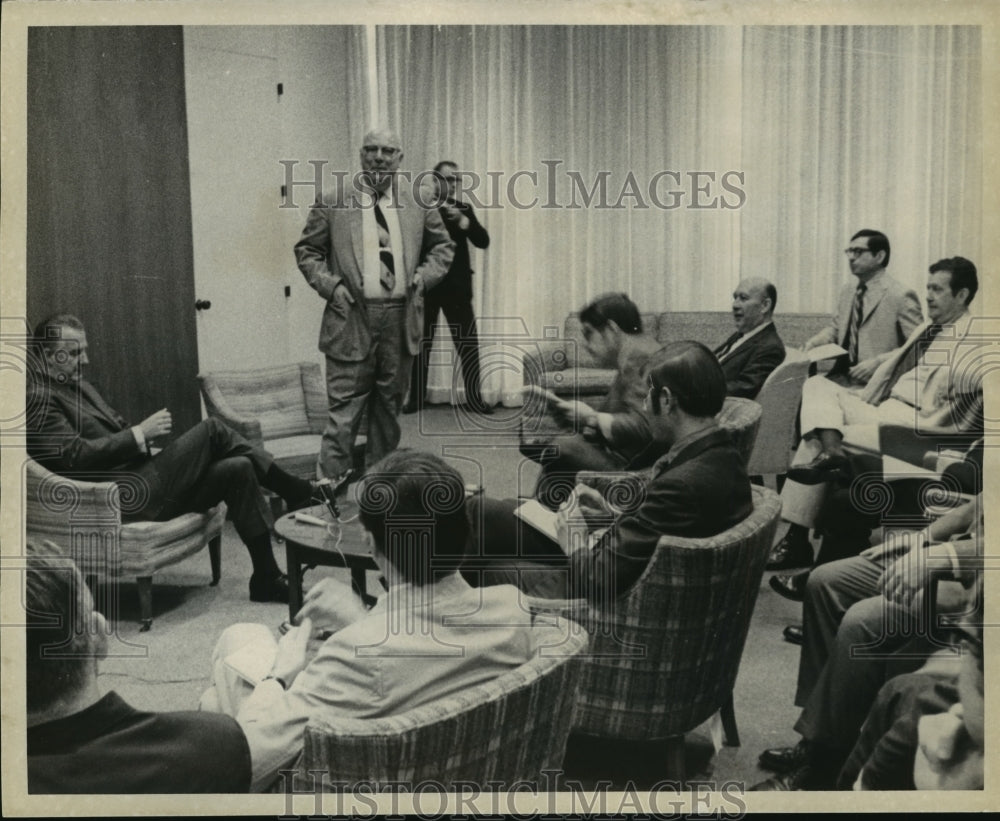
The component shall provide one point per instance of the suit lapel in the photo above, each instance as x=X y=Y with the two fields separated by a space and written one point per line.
x=873 y=296
x=99 y=406
x=354 y=217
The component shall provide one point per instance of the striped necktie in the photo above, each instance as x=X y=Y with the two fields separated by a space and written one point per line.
x=387 y=275
x=857 y=313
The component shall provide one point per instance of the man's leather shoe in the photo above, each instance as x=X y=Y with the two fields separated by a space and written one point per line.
x=803 y=778
x=410 y=407
x=267 y=590
x=789 y=553
x=827 y=467
x=786 y=759
x=792 y=586
x=793 y=633
x=484 y=409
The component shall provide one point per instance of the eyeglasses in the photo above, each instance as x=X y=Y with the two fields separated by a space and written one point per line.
x=857 y=252
x=385 y=149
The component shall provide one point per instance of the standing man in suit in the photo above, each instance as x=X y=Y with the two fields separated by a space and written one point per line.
x=73 y=431
x=453 y=295
x=370 y=255
x=750 y=354
x=875 y=315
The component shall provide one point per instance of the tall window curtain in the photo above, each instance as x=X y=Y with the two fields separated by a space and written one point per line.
x=859 y=127
x=768 y=147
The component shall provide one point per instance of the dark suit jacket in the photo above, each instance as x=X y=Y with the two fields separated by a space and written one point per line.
x=111 y=748
x=457 y=283
x=748 y=367
x=702 y=492
x=72 y=429
x=331 y=253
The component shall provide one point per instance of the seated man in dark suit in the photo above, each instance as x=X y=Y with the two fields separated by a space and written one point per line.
x=73 y=431
x=698 y=488
x=609 y=436
x=80 y=741
x=750 y=354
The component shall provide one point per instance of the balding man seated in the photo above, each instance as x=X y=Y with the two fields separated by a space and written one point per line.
x=749 y=355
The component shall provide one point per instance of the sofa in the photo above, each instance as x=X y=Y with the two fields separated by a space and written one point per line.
x=563 y=366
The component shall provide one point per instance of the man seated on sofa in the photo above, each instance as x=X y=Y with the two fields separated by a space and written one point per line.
x=858 y=614
x=697 y=488
x=75 y=432
x=429 y=636
x=750 y=354
x=80 y=741
x=611 y=435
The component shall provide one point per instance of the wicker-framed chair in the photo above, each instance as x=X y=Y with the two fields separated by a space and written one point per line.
x=741 y=417
x=84 y=518
x=664 y=657
x=503 y=731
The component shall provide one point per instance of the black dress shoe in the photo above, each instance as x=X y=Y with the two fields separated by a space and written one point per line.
x=483 y=408
x=267 y=590
x=803 y=778
x=791 y=586
x=827 y=467
x=786 y=759
x=793 y=633
x=789 y=553
x=410 y=407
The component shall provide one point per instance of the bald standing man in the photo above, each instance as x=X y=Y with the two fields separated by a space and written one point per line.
x=749 y=355
x=370 y=252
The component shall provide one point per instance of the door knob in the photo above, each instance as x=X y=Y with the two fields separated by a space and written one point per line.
x=202 y=304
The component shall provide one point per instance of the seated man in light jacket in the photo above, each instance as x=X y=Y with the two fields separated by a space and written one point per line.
x=429 y=636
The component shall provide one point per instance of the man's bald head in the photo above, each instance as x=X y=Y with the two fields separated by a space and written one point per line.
x=381 y=153
x=753 y=303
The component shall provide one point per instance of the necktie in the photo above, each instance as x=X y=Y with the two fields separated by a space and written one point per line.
x=909 y=360
x=727 y=346
x=857 y=313
x=387 y=275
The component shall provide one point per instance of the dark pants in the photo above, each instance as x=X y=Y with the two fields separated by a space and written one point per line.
x=462 y=324
x=208 y=464
x=566 y=455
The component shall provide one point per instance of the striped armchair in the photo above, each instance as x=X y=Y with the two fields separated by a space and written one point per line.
x=664 y=656
x=505 y=730
x=282 y=409
x=84 y=519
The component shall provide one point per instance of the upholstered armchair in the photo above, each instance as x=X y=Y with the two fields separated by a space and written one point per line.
x=282 y=408
x=506 y=730
x=84 y=518
x=779 y=399
x=664 y=657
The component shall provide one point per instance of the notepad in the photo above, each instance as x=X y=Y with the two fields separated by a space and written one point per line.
x=539 y=517
x=828 y=351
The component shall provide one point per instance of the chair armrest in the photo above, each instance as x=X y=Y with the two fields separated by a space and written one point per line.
x=218 y=407
x=549 y=356
x=57 y=504
x=902 y=442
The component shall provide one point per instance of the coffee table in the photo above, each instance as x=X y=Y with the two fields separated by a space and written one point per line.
x=309 y=545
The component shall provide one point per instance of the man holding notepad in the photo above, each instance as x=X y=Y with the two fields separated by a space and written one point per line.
x=697 y=488
x=611 y=435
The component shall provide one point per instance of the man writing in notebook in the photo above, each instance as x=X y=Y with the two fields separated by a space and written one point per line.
x=697 y=489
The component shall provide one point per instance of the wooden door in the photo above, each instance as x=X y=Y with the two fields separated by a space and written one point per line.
x=109 y=208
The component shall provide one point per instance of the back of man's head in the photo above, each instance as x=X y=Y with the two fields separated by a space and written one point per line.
x=877 y=241
x=61 y=644
x=615 y=307
x=963 y=275
x=413 y=504
x=692 y=374
x=50 y=328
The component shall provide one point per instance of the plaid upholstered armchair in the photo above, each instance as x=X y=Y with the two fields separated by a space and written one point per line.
x=505 y=730
x=664 y=656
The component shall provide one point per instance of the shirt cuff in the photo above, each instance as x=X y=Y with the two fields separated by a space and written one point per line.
x=949 y=550
x=140 y=439
x=604 y=423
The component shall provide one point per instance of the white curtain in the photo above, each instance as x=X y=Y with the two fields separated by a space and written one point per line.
x=779 y=142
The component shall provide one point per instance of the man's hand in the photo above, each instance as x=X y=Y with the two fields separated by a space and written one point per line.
x=342 y=292
x=902 y=580
x=290 y=659
x=590 y=500
x=574 y=412
x=159 y=424
x=571 y=525
x=332 y=605
x=863 y=371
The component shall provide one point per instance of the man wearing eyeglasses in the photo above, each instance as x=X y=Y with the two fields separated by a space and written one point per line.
x=370 y=253
x=875 y=315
